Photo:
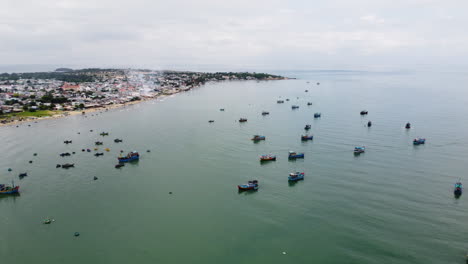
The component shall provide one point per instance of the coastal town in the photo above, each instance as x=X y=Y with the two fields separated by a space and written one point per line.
x=28 y=96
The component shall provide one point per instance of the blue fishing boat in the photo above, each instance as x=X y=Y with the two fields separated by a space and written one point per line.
x=258 y=138
x=295 y=155
x=317 y=115
x=458 y=190
x=418 y=141
x=307 y=137
x=296 y=176
x=251 y=185
x=7 y=189
x=131 y=156
x=359 y=150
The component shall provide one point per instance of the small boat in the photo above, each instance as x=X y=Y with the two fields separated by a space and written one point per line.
x=364 y=112
x=131 y=156
x=251 y=185
x=119 y=165
x=458 y=189
x=7 y=189
x=418 y=141
x=287 y=99
x=408 y=125
x=65 y=154
x=296 y=176
x=267 y=157
x=243 y=120
x=88 y=150
x=67 y=142
x=98 y=143
x=98 y=154
x=280 y=101
x=317 y=115
x=222 y=109
x=22 y=175
x=306 y=91
x=104 y=134
x=68 y=165
x=295 y=155
x=258 y=137
x=307 y=137
x=265 y=113
x=309 y=103
x=48 y=221
x=96 y=148
x=318 y=83
x=107 y=149
x=117 y=140
x=369 y=124
x=307 y=127
x=359 y=150
x=294 y=107
x=210 y=121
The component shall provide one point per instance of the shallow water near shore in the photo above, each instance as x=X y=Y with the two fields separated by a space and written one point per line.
x=392 y=204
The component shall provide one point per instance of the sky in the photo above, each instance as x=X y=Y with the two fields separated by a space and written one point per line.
x=240 y=34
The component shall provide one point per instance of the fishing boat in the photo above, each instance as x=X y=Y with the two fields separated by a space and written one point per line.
x=107 y=149
x=104 y=134
x=364 y=112
x=296 y=176
x=287 y=99
x=309 y=103
x=418 y=141
x=258 y=138
x=251 y=185
x=67 y=142
x=98 y=154
x=117 y=140
x=317 y=115
x=22 y=175
x=267 y=157
x=68 y=165
x=98 y=143
x=307 y=127
x=359 y=150
x=131 y=156
x=369 y=124
x=210 y=121
x=408 y=125
x=65 y=154
x=295 y=155
x=306 y=137
x=7 y=189
x=222 y=109
x=265 y=113
x=458 y=189
x=119 y=165
x=243 y=120
x=294 y=107
x=280 y=101
x=306 y=91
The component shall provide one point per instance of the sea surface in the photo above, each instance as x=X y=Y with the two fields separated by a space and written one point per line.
x=180 y=204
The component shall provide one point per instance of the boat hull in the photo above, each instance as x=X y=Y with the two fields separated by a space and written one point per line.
x=128 y=159
x=299 y=156
x=11 y=190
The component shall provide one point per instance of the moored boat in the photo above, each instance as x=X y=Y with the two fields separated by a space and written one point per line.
x=359 y=150
x=258 y=138
x=243 y=120
x=131 y=156
x=68 y=165
x=267 y=157
x=104 y=134
x=307 y=127
x=309 y=103
x=369 y=124
x=67 y=142
x=317 y=115
x=418 y=141
x=265 y=113
x=295 y=155
x=296 y=176
x=117 y=140
x=8 y=189
x=307 y=137
x=364 y=112
x=280 y=101
x=98 y=143
x=408 y=125
x=294 y=107
x=251 y=185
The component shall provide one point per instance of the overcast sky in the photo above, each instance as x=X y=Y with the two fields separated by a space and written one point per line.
x=326 y=34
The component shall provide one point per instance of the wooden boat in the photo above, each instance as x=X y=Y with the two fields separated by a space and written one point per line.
x=243 y=120
x=280 y=101
x=317 y=115
x=7 y=189
x=294 y=107
x=267 y=157
x=117 y=140
x=131 y=156
x=119 y=165
x=295 y=155
x=307 y=127
x=68 y=165
x=418 y=141
x=210 y=121
x=307 y=137
x=98 y=143
x=104 y=134
x=309 y=103
x=296 y=176
x=222 y=109
x=98 y=154
x=369 y=124
x=359 y=150
x=22 y=175
x=265 y=113
x=364 y=112
x=67 y=142
x=458 y=189
x=251 y=185
x=408 y=125
x=258 y=138
x=306 y=91
x=65 y=154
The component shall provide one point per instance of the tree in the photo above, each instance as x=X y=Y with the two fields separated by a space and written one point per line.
x=81 y=106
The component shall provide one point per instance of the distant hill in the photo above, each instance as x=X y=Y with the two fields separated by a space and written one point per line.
x=64 y=70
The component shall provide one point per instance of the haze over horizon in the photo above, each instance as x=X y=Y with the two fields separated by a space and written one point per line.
x=264 y=35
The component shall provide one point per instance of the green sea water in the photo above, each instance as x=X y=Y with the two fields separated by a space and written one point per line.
x=392 y=204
